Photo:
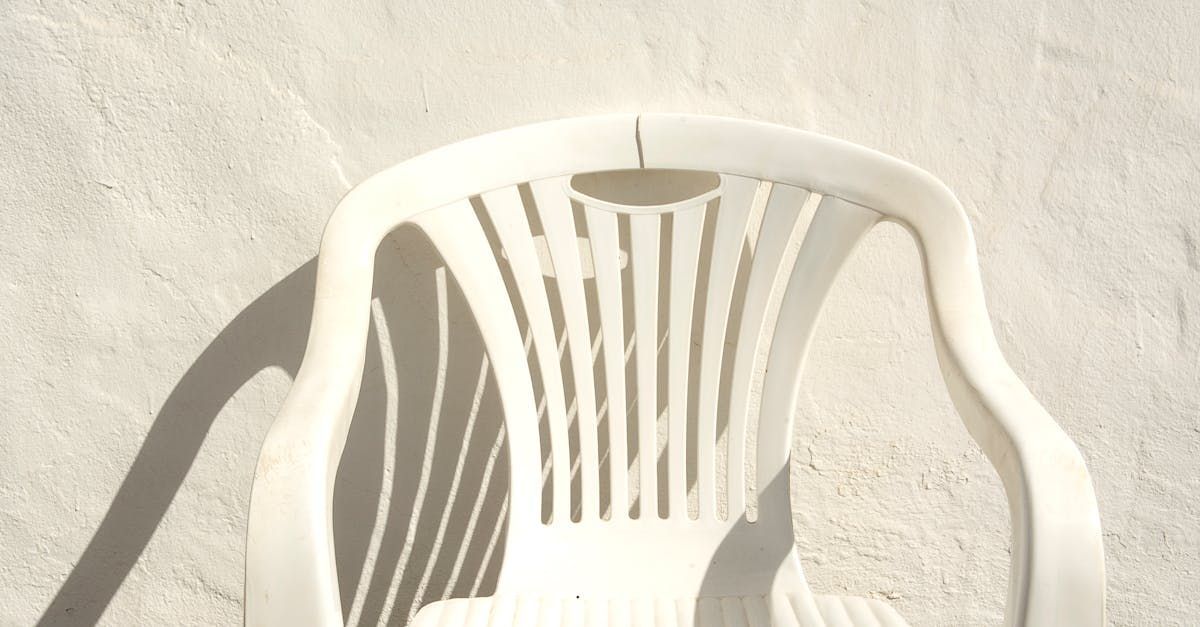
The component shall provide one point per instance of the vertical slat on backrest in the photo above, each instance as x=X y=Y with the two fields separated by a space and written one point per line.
x=643 y=244
x=779 y=219
x=507 y=213
x=835 y=229
x=558 y=224
x=737 y=196
x=686 y=232
x=606 y=261
x=459 y=238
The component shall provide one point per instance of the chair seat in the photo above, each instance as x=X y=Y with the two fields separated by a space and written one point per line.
x=752 y=611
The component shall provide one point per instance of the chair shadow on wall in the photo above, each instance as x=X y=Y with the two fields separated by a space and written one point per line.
x=420 y=498
x=421 y=494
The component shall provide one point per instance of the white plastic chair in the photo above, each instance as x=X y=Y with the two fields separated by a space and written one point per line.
x=600 y=565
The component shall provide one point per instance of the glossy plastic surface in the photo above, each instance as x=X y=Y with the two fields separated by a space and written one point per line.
x=710 y=299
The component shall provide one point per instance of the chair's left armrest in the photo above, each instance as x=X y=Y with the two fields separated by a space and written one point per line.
x=1057 y=573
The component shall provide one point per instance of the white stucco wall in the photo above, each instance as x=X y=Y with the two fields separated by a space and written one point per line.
x=167 y=169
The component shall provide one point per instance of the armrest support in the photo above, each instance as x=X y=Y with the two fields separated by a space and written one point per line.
x=291 y=575
x=1057 y=572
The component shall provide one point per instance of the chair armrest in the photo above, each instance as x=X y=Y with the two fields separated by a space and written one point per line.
x=1057 y=573
x=291 y=576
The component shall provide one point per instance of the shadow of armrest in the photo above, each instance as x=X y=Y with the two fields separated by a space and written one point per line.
x=268 y=333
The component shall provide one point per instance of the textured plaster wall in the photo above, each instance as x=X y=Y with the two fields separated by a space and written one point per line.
x=167 y=168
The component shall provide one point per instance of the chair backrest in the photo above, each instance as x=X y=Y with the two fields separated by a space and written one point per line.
x=685 y=260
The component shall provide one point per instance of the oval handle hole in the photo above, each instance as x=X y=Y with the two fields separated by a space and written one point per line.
x=644 y=191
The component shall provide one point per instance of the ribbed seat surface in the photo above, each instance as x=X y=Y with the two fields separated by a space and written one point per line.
x=750 y=611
